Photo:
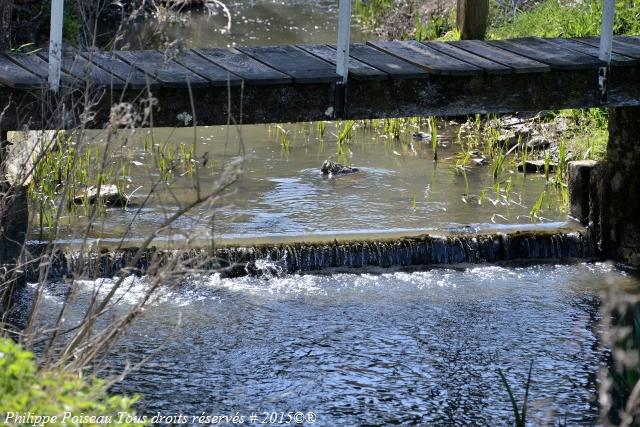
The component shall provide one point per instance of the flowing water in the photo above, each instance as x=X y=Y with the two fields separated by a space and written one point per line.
x=413 y=348
x=420 y=348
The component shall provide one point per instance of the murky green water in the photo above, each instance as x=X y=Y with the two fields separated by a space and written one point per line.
x=282 y=193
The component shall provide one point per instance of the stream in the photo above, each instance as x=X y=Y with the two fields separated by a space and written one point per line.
x=355 y=348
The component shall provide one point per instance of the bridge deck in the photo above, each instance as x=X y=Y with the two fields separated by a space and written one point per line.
x=298 y=83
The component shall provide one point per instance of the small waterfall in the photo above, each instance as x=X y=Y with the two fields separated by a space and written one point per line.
x=272 y=260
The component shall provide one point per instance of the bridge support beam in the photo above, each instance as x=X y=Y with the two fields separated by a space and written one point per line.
x=615 y=201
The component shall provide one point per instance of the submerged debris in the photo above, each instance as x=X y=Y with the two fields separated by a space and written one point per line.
x=109 y=195
x=536 y=166
x=332 y=168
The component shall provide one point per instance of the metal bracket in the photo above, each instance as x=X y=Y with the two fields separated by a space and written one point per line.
x=603 y=77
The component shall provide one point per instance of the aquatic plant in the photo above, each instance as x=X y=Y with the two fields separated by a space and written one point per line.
x=321 y=127
x=520 y=415
x=524 y=150
x=282 y=136
x=547 y=162
x=433 y=128
x=393 y=128
x=345 y=131
x=498 y=164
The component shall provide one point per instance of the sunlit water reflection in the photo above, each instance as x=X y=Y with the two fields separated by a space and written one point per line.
x=397 y=348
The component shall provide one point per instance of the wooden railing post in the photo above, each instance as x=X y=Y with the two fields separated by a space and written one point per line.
x=55 y=44
x=472 y=18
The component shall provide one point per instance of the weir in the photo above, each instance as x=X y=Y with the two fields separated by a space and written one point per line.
x=366 y=255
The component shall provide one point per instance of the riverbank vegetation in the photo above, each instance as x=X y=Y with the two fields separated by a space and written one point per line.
x=585 y=131
x=30 y=395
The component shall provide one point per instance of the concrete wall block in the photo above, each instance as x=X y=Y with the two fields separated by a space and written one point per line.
x=579 y=189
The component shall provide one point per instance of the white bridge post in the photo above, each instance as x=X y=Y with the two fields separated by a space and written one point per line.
x=55 y=44
x=606 y=34
x=344 y=36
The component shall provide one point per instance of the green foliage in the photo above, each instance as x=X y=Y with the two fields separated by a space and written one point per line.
x=24 y=388
x=71 y=22
x=562 y=18
x=587 y=132
x=436 y=26
x=370 y=11
x=434 y=137
x=62 y=168
x=520 y=415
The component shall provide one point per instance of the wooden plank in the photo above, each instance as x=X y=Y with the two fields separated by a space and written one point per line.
x=83 y=70
x=396 y=68
x=169 y=73
x=253 y=72
x=31 y=62
x=424 y=57
x=215 y=75
x=133 y=77
x=519 y=64
x=40 y=67
x=295 y=62
x=358 y=70
x=633 y=40
x=489 y=66
x=549 y=53
x=14 y=76
x=572 y=44
x=620 y=46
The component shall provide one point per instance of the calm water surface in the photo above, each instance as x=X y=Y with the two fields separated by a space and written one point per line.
x=253 y=23
x=283 y=195
x=418 y=348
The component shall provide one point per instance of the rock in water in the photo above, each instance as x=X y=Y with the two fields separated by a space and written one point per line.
x=109 y=196
x=332 y=168
x=535 y=166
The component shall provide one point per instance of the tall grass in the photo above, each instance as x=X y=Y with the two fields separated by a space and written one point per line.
x=563 y=18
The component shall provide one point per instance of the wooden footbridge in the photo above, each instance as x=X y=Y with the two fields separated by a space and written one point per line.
x=300 y=83
x=318 y=82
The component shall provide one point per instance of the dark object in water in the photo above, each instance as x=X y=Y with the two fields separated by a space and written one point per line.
x=109 y=195
x=421 y=136
x=535 y=166
x=332 y=168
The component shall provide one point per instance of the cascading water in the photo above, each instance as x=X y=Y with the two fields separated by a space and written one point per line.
x=273 y=260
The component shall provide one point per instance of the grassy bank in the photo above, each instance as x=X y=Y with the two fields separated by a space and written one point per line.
x=586 y=130
x=563 y=18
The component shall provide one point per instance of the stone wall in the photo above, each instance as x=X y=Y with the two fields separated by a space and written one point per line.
x=610 y=191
